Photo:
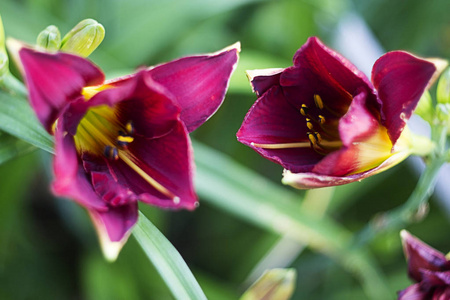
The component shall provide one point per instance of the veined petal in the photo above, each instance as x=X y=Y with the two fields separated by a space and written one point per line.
x=264 y=79
x=198 y=83
x=314 y=180
x=70 y=179
x=54 y=80
x=400 y=79
x=421 y=256
x=160 y=170
x=413 y=292
x=273 y=120
x=114 y=227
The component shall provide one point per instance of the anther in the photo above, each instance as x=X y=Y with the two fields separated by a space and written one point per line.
x=312 y=138
x=129 y=127
x=124 y=140
x=318 y=101
x=321 y=119
x=111 y=153
x=309 y=124
x=318 y=137
x=304 y=110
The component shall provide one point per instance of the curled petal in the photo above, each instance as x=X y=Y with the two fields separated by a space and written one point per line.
x=421 y=256
x=54 y=80
x=114 y=227
x=273 y=120
x=198 y=83
x=264 y=79
x=413 y=292
x=400 y=79
x=314 y=180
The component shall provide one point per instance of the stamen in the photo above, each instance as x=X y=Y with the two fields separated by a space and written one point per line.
x=318 y=137
x=312 y=138
x=304 y=110
x=124 y=140
x=129 y=127
x=309 y=124
x=321 y=119
x=318 y=101
x=281 y=145
x=124 y=156
x=111 y=153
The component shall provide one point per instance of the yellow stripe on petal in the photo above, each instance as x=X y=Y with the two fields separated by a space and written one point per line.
x=90 y=91
x=373 y=151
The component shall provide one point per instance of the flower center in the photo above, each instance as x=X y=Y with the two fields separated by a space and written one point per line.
x=323 y=135
x=102 y=134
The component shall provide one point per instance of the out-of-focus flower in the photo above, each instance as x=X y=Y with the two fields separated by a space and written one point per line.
x=428 y=267
x=327 y=124
x=84 y=38
x=125 y=140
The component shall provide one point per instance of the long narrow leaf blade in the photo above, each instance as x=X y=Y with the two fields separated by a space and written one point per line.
x=167 y=260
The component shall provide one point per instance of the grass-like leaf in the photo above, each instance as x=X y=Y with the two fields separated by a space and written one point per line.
x=167 y=261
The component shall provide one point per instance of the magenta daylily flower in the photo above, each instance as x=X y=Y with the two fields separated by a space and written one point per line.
x=326 y=123
x=428 y=267
x=126 y=139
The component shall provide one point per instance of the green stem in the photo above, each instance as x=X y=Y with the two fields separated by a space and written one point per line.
x=12 y=85
x=410 y=210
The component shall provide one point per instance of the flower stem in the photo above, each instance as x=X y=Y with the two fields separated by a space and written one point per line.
x=12 y=85
x=412 y=209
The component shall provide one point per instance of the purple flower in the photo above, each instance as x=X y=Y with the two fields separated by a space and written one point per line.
x=124 y=140
x=326 y=123
x=428 y=267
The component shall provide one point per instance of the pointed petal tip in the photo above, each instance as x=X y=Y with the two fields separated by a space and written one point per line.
x=236 y=46
x=440 y=65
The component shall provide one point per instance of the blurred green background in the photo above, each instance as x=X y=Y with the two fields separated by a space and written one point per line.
x=48 y=248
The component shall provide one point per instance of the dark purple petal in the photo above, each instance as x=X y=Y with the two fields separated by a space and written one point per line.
x=199 y=83
x=117 y=220
x=400 y=79
x=168 y=160
x=320 y=70
x=54 y=80
x=355 y=127
x=262 y=80
x=272 y=120
x=421 y=256
x=433 y=278
x=413 y=292
x=441 y=293
x=70 y=179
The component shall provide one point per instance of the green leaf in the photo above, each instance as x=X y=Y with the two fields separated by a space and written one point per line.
x=241 y=192
x=167 y=261
x=274 y=284
x=10 y=147
x=18 y=119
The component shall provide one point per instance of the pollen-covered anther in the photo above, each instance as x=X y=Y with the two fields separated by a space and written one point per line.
x=312 y=138
x=304 y=110
x=309 y=124
x=321 y=119
x=123 y=139
x=111 y=153
x=129 y=127
x=318 y=101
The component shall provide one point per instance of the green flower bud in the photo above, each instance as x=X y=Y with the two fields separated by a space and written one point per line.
x=273 y=284
x=425 y=107
x=49 y=39
x=84 y=38
x=4 y=65
x=443 y=87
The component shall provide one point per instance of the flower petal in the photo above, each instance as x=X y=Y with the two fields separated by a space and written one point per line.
x=199 y=83
x=168 y=161
x=71 y=180
x=114 y=227
x=421 y=256
x=53 y=80
x=314 y=180
x=400 y=79
x=413 y=292
x=264 y=79
x=273 y=120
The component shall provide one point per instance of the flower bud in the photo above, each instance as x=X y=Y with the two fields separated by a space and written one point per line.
x=425 y=107
x=443 y=87
x=273 y=284
x=84 y=38
x=49 y=39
